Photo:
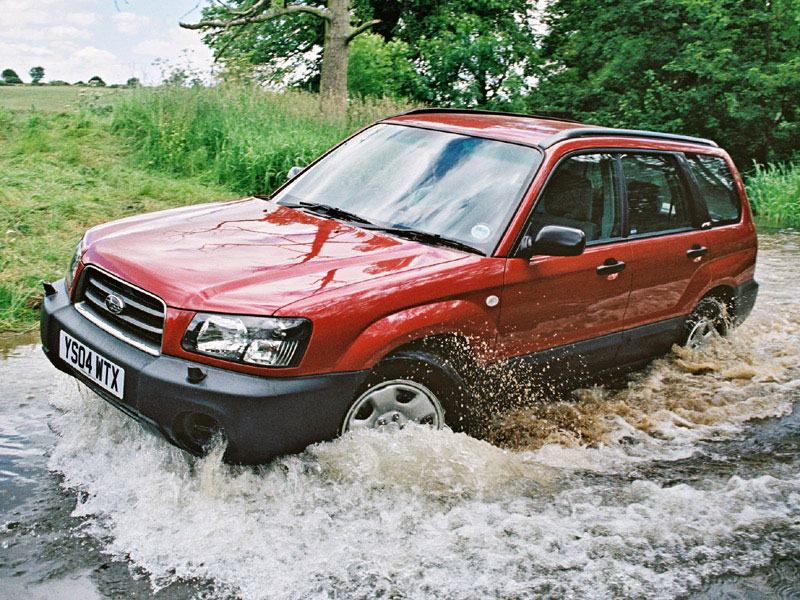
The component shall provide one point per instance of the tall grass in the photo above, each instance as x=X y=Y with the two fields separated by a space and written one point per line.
x=241 y=137
x=61 y=173
x=774 y=192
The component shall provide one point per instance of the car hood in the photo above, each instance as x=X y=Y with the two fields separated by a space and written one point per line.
x=248 y=256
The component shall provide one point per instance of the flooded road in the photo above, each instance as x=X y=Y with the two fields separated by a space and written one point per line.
x=682 y=483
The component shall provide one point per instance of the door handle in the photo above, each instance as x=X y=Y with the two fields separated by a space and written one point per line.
x=696 y=252
x=611 y=266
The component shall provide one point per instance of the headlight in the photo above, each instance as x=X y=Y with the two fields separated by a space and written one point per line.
x=262 y=341
x=73 y=265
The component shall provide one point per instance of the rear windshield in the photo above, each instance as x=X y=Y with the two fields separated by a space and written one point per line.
x=464 y=188
x=717 y=187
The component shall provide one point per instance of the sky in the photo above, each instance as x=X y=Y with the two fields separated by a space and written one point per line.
x=76 y=39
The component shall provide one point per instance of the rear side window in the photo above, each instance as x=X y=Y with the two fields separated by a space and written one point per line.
x=582 y=193
x=717 y=187
x=657 y=199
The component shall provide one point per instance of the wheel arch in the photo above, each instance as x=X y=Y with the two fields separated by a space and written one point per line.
x=724 y=294
x=448 y=329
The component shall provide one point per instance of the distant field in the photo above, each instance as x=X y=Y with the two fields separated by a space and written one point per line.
x=56 y=98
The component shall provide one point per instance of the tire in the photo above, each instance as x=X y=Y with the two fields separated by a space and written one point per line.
x=411 y=385
x=707 y=321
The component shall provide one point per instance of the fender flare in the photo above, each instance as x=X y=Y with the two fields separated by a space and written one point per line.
x=450 y=317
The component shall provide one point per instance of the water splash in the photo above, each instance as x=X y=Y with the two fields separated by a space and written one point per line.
x=587 y=498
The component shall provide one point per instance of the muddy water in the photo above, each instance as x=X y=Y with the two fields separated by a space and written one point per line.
x=682 y=482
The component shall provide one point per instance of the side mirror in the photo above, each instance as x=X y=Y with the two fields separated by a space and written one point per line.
x=553 y=240
x=294 y=172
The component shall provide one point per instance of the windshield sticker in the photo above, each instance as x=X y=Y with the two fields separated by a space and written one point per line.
x=481 y=231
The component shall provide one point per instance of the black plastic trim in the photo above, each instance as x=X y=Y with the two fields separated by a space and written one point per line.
x=744 y=298
x=262 y=417
x=467 y=111
x=580 y=132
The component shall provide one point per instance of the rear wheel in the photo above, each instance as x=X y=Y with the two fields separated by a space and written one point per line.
x=410 y=386
x=707 y=321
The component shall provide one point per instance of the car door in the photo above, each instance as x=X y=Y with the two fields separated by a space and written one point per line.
x=668 y=253
x=567 y=311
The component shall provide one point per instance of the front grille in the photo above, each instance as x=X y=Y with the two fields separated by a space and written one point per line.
x=141 y=320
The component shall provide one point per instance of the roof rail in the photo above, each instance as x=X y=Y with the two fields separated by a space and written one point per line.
x=419 y=111
x=578 y=132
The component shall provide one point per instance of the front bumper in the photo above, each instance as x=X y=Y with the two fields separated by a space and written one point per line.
x=261 y=417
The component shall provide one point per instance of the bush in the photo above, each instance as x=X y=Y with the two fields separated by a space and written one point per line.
x=242 y=137
x=774 y=192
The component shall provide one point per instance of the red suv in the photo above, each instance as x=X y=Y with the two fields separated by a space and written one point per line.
x=428 y=244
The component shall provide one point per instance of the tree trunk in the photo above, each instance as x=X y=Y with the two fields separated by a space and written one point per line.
x=335 y=58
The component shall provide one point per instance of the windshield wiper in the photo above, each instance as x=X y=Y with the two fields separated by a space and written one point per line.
x=430 y=238
x=329 y=211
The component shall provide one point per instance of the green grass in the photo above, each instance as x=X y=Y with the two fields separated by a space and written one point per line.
x=58 y=98
x=244 y=138
x=774 y=193
x=61 y=173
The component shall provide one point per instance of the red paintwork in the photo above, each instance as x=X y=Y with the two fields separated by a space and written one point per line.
x=248 y=256
x=498 y=126
x=555 y=300
x=367 y=293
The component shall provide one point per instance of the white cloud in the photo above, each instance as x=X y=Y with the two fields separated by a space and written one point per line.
x=82 y=19
x=130 y=24
x=76 y=39
x=66 y=61
x=172 y=43
x=44 y=34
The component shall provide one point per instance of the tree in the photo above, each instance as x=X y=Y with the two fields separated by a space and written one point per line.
x=470 y=52
x=379 y=68
x=448 y=52
x=10 y=76
x=133 y=82
x=37 y=74
x=97 y=81
x=336 y=16
x=724 y=69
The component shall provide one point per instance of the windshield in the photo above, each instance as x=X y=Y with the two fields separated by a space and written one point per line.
x=462 y=188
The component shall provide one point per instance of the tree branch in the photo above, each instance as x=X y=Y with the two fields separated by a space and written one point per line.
x=361 y=29
x=249 y=11
x=322 y=13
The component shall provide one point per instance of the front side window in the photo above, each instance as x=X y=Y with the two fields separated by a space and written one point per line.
x=717 y=187
x=460 y=187
x=582 y=193
x=657 y=199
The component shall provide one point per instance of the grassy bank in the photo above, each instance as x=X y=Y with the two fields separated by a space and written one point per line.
x=774 y=192
x=61 y=173
x=243 y=138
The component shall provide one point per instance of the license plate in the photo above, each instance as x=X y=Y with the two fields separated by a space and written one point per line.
x=103 y=372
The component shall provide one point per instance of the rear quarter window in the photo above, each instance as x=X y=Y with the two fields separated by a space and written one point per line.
x=717 y=187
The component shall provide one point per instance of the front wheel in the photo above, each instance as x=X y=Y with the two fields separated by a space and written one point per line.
x=394 y=403
x=410 y=386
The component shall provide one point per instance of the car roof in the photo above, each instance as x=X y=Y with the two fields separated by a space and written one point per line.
x=533 y=130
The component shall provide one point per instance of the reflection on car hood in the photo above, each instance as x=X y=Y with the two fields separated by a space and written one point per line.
x=248 y=256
